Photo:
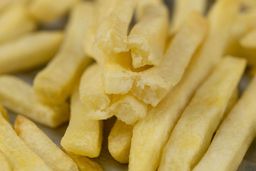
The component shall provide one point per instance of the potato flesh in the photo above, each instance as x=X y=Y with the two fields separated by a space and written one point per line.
x=149 y=136
x=147 y=48
x=233 y=137
x=31 y=51
x=15 y=22
x=153 y=84
x=83 y=135
x=193 y=132
x=119 y=141
x=38 y=142
x=55 y=83
x=18 y=154
x=19 y=97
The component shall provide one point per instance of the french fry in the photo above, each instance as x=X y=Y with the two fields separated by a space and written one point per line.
x=92 y=93
x=141 y=5
x=30 y=51
x=16 y=151
x=85 y=164
x=233 y=100
x=37 y=141
x=19 y=97
x=249 y=40
x=193 y=133
x=55 y=83
x=83 y=135
x=182 y=8
x=4 y=164
x=128 y=109
x=119 y=141
x=151 y=133
x=48 y=10
x=147 y=48
x=15 y=22
x=153 y=84
x=4 y=113
x=233 y=137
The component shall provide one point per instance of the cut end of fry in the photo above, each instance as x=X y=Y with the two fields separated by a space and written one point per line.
x=86 y=164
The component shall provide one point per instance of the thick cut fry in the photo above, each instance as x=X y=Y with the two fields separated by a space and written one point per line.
x=128 y=109
x=119 y=141
x=30 y=51
x=36 y=140
x=249 y=40
x=15 y=22
x=92 y=93
x=4 y=163
x=153 y=84
x=56 y=82
x=50 y=10
x=151 y=134
x=193 y=133
x=148 y=37
x=85 y=164
x=19 y=97
x=18 y=154
x=234 y=136
x=83 y=135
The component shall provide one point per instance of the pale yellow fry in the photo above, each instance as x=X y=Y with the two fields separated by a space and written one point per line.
x=55 y=83
x=4 y=163
x=18 y=154
x=182 y=9
x=119 y=141
x=19 y=97
x=30 y=51
x=153 y=84
x=50 y=10
x=128 y=109
x=92 y=93
x=234 y=136
x=249 y=40
x=148 y=37
x=141 y=6
x=233 y=100
x=193 y=133
x=83 y=135
x=4 y=113
x=85 y=164
x=151 y=134
x=43 y=146
x=15 y=22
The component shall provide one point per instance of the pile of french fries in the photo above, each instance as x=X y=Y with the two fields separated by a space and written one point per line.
x=169 y=80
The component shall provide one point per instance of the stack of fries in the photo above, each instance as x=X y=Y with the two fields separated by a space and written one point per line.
x=170 y=83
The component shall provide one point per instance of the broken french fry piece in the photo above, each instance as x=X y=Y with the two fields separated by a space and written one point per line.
x=233 y=137
x=128 y=109
x=48 y=10
x=182 y=9
x=30 y=51
x=85 y=164
x=19 y=97
x=15 y=22
x=41 y=144
x=92 y=93
x=17 y=152
x=4 y=163
x=147 y=48
x=249 y=40
x=83 y=135
x=193 y=132
x=55 y=83
x=153 y=84
x=119 y=141
x=151 y=133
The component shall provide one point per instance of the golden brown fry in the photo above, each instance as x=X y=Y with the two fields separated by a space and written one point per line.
x=234 y=136
x=18 y=154
x=85 y=164
x=4 y=163
x=15 y=22
x=56 y=82
x=19 y=97
x=30 y=51
x=119 y=141
x=50 y=10
x=249 y=40
x=193 y=132
x=147 y=47
x=153 y=84
x=83 y=135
